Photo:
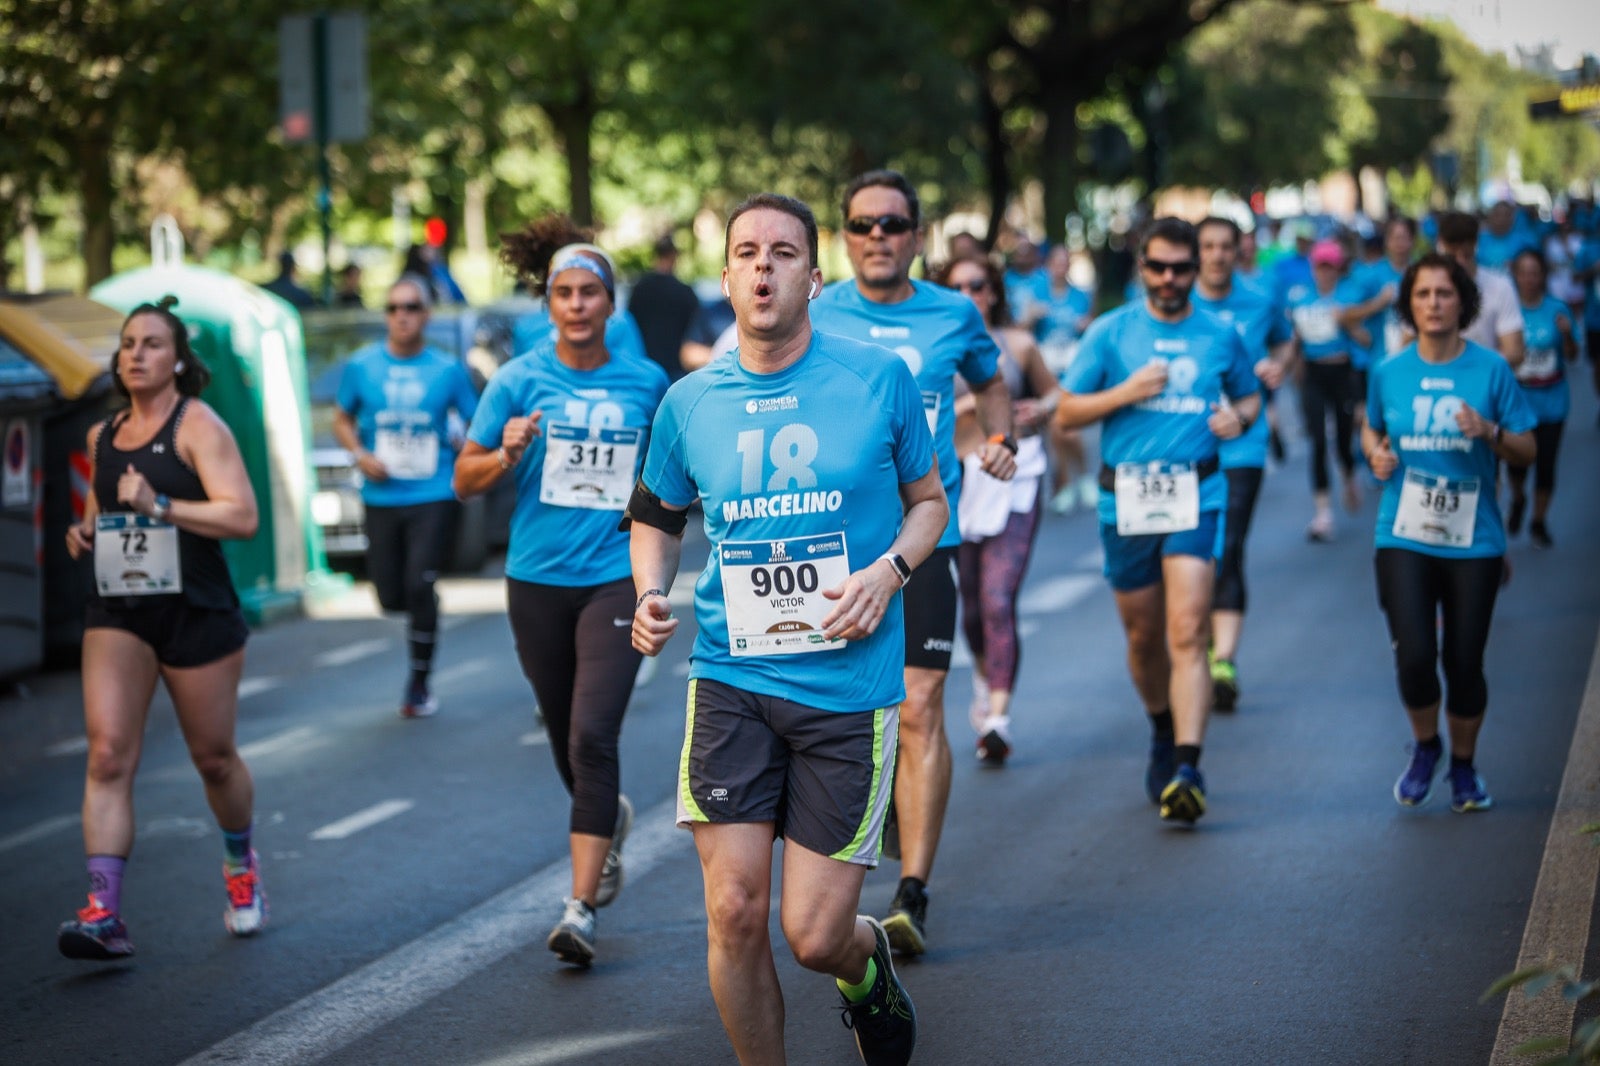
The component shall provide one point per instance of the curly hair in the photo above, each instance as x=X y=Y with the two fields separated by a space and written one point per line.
x=528 y=251
x=190 y=375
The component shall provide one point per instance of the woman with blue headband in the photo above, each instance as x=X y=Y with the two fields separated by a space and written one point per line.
x=569 y=421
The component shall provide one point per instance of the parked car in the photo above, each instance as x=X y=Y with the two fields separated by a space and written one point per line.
x=481 y=338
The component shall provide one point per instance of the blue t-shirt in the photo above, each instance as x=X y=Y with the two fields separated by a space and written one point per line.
x=939 y=333
x=1588 y=258
x=816 y=450
x=1415 y=404
x=1496 y=253
x=1062 y=314
x=1385 y=328
x=622 y=333
x=402 y=410
x=1206 y=360
x=1316 y=323
x=1543 y=373
x=1251 y=313
x=563 y=541
x=1023 y=290
x=1292 y=279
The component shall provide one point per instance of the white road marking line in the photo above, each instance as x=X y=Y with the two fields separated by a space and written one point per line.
x=1563 y=897
x=70 y=746
x=396 y=984
x=460 y=670
x=254 y=686
x=355 y=823
x=1057 y=594
x=350 y=653
x=529 y=740
x=38 y=832
x=289 y=738
x=576 y=1048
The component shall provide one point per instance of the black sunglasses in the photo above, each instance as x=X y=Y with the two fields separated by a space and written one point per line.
x=1176 y=269
x=975 y=285
x=892 y=225
x=413 y=308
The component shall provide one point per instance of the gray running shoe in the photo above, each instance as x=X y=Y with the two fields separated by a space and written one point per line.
x=611 y=872
x=573 y=937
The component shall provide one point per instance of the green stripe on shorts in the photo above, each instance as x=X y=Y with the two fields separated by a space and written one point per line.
x=686 y=802
x=869 y=834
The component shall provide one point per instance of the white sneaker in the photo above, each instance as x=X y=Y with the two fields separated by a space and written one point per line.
x=611 y=872
x=1065 y=500
x=573 y=937
x=247 y=901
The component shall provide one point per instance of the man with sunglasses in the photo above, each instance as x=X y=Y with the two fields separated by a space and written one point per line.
x=393 y=415
x=939 y=333
x=1170 y=383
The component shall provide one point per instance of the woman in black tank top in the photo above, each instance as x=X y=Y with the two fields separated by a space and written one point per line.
x=168 y=482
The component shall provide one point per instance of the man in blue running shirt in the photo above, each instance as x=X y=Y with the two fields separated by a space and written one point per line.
x=1266 y=334
x=815 y=470
x=1170 y=382
x=939 y=333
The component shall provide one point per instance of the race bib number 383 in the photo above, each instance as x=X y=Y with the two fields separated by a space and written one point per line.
x=1437 y=511
x=590 y=468
x=135 y=556
x=772 y=590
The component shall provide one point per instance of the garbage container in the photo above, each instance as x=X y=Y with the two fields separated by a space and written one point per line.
x=26 y=392
x=71 y=339
x=253 y=344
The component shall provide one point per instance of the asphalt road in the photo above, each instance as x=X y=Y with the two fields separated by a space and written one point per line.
x=414 y=867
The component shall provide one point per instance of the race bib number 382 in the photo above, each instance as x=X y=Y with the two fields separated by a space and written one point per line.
x=1156 y=498
x=135 y=556
x=772 y=590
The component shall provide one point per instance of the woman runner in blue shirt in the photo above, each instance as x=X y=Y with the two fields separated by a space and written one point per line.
x=1440 y=414
x=1550 y=343
x=569 y=421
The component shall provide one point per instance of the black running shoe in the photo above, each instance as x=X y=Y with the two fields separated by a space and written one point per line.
x=1539 y=534
x=885 y=1023
x=1519 y=505
x=907 y=922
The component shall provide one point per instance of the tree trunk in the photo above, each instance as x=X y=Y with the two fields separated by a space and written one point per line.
x=996 y=166
x=574 y=124
x=95 y=184
x=1060 y=163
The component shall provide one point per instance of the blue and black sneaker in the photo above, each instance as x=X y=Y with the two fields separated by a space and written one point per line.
x=1416 y=784
x=885 y=1023
x=1184 y=798
x=1163 y=764
x=1467 y=791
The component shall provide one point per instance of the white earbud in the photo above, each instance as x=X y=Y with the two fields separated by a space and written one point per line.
x=725 y=291
x=814 y=288
x=179 y=367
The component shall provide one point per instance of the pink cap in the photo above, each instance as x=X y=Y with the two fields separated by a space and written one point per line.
x=1327 y=252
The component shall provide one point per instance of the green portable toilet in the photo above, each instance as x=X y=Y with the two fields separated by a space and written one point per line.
x=252 y=342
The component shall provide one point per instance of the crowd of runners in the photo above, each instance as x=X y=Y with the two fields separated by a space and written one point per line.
x=869 y=460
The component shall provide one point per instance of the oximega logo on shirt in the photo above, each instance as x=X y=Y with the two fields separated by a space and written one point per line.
x=779 y=403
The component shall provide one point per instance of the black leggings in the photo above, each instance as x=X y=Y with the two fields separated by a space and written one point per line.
x=1416 y=591
x=1327 y=387
x=406 y=549
x=1244 y=484
x=582 y=665
x=1547 y=438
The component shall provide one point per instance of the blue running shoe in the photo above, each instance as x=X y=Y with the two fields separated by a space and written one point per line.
x=1163 y=764
x=1416 y=784
x=1184 y=798
x=1467 y=792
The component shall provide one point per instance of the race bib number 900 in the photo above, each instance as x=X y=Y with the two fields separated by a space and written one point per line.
x=772 y=591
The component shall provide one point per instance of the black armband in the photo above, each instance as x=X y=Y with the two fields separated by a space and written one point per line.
x=645 y=506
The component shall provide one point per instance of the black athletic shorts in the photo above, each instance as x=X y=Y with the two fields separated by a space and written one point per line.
x=930 y=599
x=182 y=635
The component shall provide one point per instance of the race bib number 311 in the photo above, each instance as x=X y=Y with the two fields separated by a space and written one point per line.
x=772 y=590
x=590 y=468
x=135 y=556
